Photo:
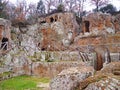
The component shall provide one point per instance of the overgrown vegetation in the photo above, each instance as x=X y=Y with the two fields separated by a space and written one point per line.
x=22 y=83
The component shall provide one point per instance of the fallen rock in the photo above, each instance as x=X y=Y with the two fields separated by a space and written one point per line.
x=106 y=79
x=68 y=79
x=109 y=83
x=113 y=67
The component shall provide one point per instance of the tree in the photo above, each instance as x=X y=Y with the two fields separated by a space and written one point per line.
x=10 y=9
x=3 y=4
x=99 y=3
x=60 y=1
x=50 y=4
x=108 y=9
x=60 y=8
x=32 y=14
x=19 y=12
x=40 y=8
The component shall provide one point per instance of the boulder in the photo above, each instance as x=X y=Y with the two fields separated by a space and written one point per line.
x=106 y=79
x=113 y=67
x=108 y=83
x=68 y=79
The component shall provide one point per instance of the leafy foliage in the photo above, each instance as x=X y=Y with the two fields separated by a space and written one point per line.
x=3 y=13
x=40 y=8
x=108 y=9
x=99 y=3
x=60 y=8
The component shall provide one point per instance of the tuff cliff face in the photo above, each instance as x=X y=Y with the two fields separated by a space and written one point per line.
x=5 y=26
x=5 y=35
x=55 y=39
x=99 y=29
x=58 y=30
x=99 y=23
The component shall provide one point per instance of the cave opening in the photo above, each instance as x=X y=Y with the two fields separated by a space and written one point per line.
x=4 y=44
x=42 y=22
x=56 y=17
x=51 y=19
x=87 y=25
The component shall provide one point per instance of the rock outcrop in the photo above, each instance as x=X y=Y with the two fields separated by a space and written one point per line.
x=99 y=29
x=51 y=69
x=116 y=22
x=98 y=23
x=58 y=30
x=5 y=35
x=5 y=31
x=105 y=83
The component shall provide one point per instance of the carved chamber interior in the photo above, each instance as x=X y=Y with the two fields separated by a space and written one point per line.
x=4 y=44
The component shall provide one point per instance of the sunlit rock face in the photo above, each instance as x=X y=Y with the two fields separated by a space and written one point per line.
x=58 y=30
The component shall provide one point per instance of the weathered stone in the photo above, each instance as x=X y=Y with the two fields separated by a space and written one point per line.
x=113 y=68
x=68 y=79
x=116 y=22
x=111 y=41
x=109 y=83
x=5 y=26
x=57 y=32
x=51 y=69
x=97 y=22
x=106 y=79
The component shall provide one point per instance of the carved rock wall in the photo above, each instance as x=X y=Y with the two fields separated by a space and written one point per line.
x=97 y=23
x=51 y=69
x=5 y=31
x=112 y=42
x=58 y=30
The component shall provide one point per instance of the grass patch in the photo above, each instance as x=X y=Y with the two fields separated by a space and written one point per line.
x=22 y=83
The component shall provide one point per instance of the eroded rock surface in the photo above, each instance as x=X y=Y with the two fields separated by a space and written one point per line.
x=109 y=83
x=106 y=79
x=68 y=79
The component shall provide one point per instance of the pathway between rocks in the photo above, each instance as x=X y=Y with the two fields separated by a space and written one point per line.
x=45 y=86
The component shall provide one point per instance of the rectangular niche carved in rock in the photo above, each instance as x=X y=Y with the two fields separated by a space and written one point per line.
x=87 y=25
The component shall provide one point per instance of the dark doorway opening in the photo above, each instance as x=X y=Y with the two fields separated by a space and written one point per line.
x=51 y=19
x=56 y=18
x=4 y=44
x=87 y=24
x=43 y=49
x=42 y=22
